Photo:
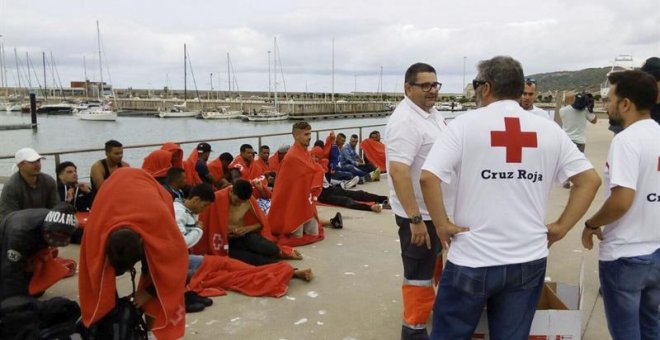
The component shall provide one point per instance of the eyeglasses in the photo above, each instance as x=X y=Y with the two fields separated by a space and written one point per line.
x=426 y=87
x=476 y=83
x=530 y=81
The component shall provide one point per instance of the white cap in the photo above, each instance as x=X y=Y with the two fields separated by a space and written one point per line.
x=27 y=154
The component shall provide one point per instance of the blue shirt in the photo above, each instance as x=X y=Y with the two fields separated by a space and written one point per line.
x=334 y=156
x=348 y=155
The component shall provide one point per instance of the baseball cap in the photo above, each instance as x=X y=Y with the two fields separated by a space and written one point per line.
x=652 y=67
x=27 y=154
x=60 y=222
x=204 y=147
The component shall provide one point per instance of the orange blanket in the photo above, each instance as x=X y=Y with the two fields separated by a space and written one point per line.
x=375 y=152
x=215 y=168
x=260 y=166
x=192 y=177
x=48 y=269
x=177 y=153
x=247 y=172
x=215 y=220
x=298 y=183
x=157 y=163
x=274 y=163
x=132 y=199
x=220 y=273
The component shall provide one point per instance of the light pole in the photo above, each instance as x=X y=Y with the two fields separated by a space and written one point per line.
x=268 y=74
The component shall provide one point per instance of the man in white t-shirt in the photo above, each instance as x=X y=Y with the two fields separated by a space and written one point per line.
x=629 y=266
x=411 y=130
x=529 y=97
x=574 y=117
x=503 y=162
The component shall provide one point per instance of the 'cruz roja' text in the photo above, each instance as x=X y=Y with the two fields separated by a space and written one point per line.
x=520 y=174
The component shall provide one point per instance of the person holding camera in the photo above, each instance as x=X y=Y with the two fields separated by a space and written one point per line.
x=574 y=116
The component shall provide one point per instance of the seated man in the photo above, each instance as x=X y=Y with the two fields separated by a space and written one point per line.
x=336 y=195
x=261 y=162
x=293 y=213
x=244 y=167
x=175 y=183
x=350 y=160
x=102 y=169
x=245 y=241
x=133 y=220
x=219 y=168
x=374 y=151
x=186 y=213
x=29 y=187
x=79 y=195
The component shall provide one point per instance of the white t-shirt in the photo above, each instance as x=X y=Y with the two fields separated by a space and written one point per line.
x=634 y=162
x=540 y=112
x=188 y=224
x=574 y=123
x=502 y=190
x=409 y=136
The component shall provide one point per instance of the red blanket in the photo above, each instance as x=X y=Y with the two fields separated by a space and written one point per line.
x=48 y=269
x=274 y=162
x=177 y=153
x=192 y=177
x=132 y=199
x=261 y=166
x=248 y=172
x=298 y=183
x=157 y=163
x=375 y=152
x=215 y=168
x=220 y=273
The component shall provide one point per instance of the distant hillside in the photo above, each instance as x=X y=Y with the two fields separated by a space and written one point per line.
x=583 y=80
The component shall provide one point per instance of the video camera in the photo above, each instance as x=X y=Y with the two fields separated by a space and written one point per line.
x=583 y=100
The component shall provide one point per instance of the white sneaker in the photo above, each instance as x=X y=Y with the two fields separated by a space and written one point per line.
x=352 y=183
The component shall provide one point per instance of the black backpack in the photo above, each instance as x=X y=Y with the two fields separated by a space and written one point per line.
x=124 y=322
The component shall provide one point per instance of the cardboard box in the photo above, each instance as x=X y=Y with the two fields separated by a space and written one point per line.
x=558 y=314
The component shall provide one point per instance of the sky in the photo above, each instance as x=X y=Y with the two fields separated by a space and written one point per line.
x=142 y=41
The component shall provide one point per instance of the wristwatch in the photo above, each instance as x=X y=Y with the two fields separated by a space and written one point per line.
x=415 y=219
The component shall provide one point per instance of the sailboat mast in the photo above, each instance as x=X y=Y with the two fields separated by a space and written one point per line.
x=275 y=71
x=98 y=41
x=43 y=58
x=185 y=73
x=333 y=75
x=18 y=72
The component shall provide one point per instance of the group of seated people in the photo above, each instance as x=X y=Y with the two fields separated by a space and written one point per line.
x=222 y=219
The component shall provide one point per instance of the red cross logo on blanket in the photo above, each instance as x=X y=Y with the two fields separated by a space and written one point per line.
x=513 y=139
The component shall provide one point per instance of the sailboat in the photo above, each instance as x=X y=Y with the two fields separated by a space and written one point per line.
x=269 y=113
x=223 y=112
x=105 y=111
x=181 y=110
x=616 y=66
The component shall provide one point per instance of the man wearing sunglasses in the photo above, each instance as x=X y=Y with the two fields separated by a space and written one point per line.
x=529 y=97
x=503 y=162
x=410 y=133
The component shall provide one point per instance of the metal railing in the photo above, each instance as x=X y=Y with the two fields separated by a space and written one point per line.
x=57 y=155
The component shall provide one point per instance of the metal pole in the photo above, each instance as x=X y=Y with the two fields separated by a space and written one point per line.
x=269 y=75
x=211 y=76
x=43 y=57
x=98 y=41
x=33 y=110
x=464 y=59
x=185 y=73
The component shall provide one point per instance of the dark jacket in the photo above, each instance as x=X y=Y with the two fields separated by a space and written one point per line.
x=20 y=238
x=81 y=201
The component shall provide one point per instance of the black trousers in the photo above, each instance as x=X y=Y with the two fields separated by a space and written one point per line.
x=335 y=195
x=418 y=261
x=254 y=249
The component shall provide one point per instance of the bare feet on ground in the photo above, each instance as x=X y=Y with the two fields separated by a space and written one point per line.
x=377 y=208
x=304 y=274
x=295 y=255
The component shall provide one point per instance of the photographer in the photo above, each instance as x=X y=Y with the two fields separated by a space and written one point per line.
x=574 y=117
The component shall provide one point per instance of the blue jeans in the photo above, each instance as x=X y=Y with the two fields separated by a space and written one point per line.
x=631 y=293
x=194 y=262
x=355 y=171
x=511 y=293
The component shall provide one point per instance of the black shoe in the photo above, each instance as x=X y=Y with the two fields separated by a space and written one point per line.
x=386 y=205
x=337 y=221
x=204 y=300
x=192 y=305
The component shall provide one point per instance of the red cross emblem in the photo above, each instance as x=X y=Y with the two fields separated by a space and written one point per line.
x=513 y=139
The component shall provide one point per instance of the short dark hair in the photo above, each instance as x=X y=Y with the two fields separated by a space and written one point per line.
x=124 y=249
x=226 y=156
x=373 y=133
x=319 y=143
x=341 y=134
x=303 y=125
x=414 y=69
x=173 y=173
x=354 y=136
x=112 y=144
x=242 y=189
x=264 y=147
x=64 y=165
x=505 y=76
x=245 y=147
x=639 y=87
x=204 y=191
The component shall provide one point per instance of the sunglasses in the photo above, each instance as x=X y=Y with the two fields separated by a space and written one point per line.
x=530 y=81
x=476 y=83
x=426 y=87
